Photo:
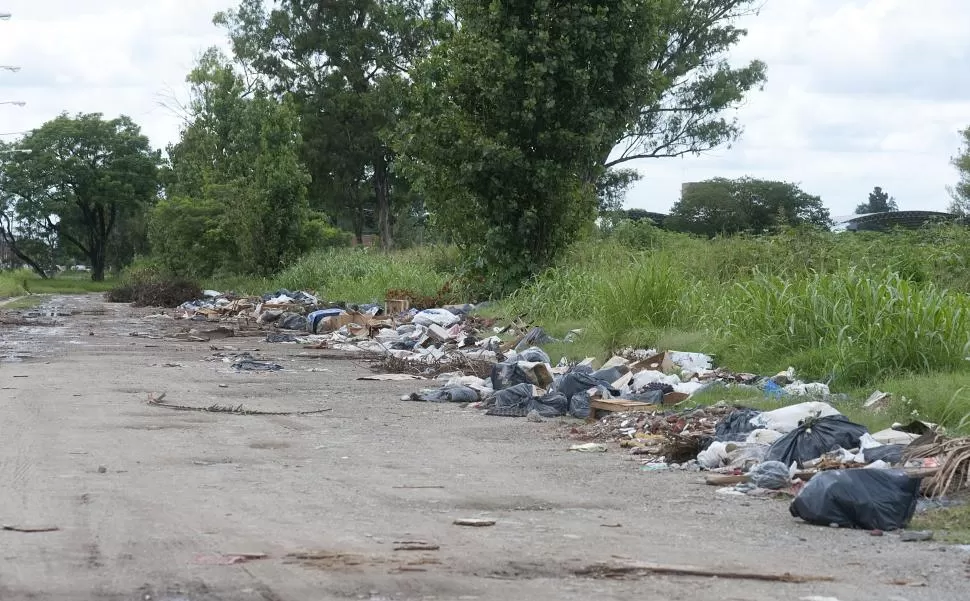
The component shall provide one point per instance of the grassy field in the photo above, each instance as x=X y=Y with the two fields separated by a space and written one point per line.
x=23 y=281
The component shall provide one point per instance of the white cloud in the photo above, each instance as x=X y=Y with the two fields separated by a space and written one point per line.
x=109 y=56
x=860 y=93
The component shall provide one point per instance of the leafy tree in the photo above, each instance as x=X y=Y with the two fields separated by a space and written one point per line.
x=238 y=159
x=510 y=119
x=79 y=178
x=879 y=202
x=961 y=192
x=344 y=61
x=612 y=187
x=697 y=83
x=722 y=207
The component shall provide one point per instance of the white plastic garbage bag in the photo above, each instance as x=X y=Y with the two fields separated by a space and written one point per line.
x=441 y=317
x=786 y=419
x=763 y=436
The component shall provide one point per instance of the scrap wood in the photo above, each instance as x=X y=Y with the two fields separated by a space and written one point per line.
x=234 y=410
x=806 y=475
x=390 y=377
x=638 y=569
x=30 y=529
x=954 y=471
x=415 y=545
x=474 y=522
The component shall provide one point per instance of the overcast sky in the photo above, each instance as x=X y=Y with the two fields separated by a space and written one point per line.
x=859 y=93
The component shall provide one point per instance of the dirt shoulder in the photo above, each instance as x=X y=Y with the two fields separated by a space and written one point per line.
x=149 y=501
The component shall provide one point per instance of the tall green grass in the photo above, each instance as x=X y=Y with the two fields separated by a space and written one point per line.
x=365 y=275
x=851 y=326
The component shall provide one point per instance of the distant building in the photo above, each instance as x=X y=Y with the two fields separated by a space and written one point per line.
x=880 y=222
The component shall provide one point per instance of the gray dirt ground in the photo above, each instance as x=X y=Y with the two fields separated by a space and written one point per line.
x=181 y=487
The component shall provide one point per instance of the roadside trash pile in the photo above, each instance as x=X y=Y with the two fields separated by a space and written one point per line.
x=837 y=471
x=392 y=330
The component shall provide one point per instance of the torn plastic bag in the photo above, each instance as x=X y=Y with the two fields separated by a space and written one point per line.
x=890 y=453
x=815 y=438
x=507 y=375
x=773 y=475
x=859 y=498
x=736 y=426
x=534 y=355
x=535 y=336
x=448 y=394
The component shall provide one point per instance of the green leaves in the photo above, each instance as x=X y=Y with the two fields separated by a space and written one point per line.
x=238 y=159
x=78 y=178
x=723 y=206
x=512 y=116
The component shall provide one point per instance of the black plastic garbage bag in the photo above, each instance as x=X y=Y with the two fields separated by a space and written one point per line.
x=579 y=405
x=534 y=355
x=890 y=453
x=736 y=426
x=292 y=321
x=651 y=395
x=575 y=382
x=553 y=404
x=815 y=438
x=448 y=394
x=773 y=475
x=861 y=498
x=506 y=375
x=513 y=401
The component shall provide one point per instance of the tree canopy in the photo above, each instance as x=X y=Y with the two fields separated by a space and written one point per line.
x=344 y=63
x=78 y=180
x=723 y=206
x=236 y=189
x=879 y=202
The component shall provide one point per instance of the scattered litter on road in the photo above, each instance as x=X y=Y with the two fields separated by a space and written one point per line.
x=227 y=559
x=231 y=409
x=30 y=529
x=590 y=447
x=258 y=366
x=619 y=571
x=390 y=377
x=475 y=523
x=915 y=536
x=415 y=545
x=406 y=486
x=102 y=469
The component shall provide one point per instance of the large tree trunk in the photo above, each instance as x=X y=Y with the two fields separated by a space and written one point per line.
x=383 y=193
x=97 y=257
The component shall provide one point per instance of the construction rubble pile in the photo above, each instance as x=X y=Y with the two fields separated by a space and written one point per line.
x=837 y=471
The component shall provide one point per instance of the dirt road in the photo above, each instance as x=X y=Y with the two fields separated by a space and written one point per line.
x=149 y=501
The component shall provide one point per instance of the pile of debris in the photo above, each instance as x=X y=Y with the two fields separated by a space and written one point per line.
x=837 y=471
